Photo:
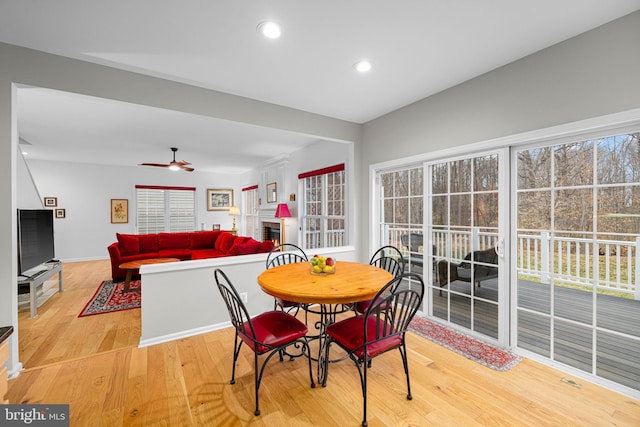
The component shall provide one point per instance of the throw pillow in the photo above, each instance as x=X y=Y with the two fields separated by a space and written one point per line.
x=266 y=246
x=248 y=247
x=225 y=241
x=128 y=244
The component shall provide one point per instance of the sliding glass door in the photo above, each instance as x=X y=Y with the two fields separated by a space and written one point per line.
x=464 y=222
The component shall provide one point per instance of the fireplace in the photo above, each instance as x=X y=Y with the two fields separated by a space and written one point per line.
x=271 y=231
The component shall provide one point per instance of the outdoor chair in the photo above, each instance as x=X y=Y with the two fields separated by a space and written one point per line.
x=268 y=333
x=413 y=242
x=388 y=258
x=382 y=328
x=485 y=267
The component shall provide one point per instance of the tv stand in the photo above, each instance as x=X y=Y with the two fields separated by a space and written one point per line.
x=37 y=279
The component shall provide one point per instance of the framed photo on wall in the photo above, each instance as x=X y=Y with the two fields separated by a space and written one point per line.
x=60 y=213
x=119 y=211
x=272 y=192
x=50 y=202
x=219 y=199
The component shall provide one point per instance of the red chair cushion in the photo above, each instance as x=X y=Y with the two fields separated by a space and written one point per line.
x=349 y=333
x=363 y=306
x=274 y=328
x=265 y=247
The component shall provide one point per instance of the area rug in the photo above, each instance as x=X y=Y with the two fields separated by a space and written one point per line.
x=109 y=298
x=478 y=351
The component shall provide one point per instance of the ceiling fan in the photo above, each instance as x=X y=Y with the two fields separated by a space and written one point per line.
x=174 y=165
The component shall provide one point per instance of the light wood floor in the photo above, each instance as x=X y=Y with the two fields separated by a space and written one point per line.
x=186 y=382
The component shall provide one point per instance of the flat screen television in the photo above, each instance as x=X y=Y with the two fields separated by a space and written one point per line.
x=35 y=238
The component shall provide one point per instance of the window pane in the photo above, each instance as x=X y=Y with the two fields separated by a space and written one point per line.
x=461 y=176
x=619 y=159
x=574 y=164
x=534 y=168
x=486 y=173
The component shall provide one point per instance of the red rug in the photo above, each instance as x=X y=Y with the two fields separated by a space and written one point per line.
x=478 y=351
x=109 y=298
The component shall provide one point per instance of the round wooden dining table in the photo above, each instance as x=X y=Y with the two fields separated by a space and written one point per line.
x=352 y=282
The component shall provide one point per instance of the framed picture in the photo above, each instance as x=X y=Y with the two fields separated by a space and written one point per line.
x=60 y=213
x=219 y=200
x=215 y=227
x=272 y=192
x=119 y=211
x=50 y=202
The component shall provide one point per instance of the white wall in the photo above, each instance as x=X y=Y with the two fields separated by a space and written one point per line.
x=85 y=192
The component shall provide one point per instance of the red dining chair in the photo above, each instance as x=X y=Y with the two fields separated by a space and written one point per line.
x=268 y=333
x=388 y=258
x=382 y=328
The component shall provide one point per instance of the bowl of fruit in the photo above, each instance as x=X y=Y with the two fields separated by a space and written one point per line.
x=322 y=265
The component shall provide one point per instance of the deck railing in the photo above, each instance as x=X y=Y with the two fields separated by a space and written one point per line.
x=609 y=264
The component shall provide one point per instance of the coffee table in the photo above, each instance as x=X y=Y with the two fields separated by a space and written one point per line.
x=134 y=265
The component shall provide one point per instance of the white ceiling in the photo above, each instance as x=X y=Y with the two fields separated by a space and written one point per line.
x=417 y=47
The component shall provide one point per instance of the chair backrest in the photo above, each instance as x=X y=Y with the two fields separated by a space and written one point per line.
x=393 y=308
x=412 y=241
x=389 y=258
x=287 y=253
x=238 y=313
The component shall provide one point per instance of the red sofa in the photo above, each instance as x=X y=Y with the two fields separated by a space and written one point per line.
x=184 y=246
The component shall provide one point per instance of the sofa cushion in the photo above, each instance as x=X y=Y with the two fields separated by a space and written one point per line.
x=266 y=246
x=148 y=243
x=204 y=239
x=249 y=246
x=174 y=241
x=224 y=241
x=128 y=243
x=206 y=253
x=180 y=253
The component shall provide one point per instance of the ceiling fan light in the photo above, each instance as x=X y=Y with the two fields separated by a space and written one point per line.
x=174 y=167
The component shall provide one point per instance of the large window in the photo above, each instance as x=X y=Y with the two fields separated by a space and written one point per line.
x=324 y=208
x=169 y=209
x=251 y=215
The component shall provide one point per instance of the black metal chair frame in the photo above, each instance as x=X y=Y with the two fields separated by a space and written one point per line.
x=392 y=311
x=286 y=253
x=241 y=321
x=388 y=258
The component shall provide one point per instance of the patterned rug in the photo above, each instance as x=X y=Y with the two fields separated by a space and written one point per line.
x=109 y=298
x=478 y=351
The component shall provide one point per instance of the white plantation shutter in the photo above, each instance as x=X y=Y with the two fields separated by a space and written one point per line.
x=169 y=209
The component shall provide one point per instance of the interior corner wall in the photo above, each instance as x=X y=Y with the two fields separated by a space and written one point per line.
x=27 y=193
x=591 y=75
x=22 y=66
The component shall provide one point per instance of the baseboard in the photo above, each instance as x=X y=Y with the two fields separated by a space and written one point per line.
x=183 y=334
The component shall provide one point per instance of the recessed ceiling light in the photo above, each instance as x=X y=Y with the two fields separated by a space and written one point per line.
x=269 y=29
x=362 y=66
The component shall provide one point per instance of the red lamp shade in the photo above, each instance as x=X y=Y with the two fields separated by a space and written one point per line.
x=282 y=211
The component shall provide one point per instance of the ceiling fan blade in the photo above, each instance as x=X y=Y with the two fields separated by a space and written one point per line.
x=186 y=168
x=159 y=165
x=182 y=162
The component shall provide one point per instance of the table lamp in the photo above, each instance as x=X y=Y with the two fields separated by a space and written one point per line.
x=234 y=211
x=282 y=212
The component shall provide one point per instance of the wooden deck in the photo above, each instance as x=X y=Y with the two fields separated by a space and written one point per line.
x=612 y=322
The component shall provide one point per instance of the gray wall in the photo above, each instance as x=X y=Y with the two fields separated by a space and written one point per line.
x=594 y=74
